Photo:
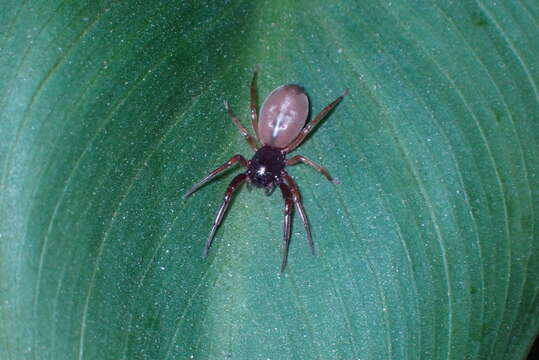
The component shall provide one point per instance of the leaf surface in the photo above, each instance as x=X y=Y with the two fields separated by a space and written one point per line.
x=110 y=111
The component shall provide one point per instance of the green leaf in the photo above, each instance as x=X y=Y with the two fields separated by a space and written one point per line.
x=110 y=111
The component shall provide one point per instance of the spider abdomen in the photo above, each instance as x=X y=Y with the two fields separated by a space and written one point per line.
x=265 y=167
x=283 y=115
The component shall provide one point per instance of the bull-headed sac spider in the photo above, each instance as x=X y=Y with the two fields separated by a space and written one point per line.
x=281 y=129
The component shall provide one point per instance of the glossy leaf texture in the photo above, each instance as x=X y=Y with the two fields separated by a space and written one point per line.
x=428 y=248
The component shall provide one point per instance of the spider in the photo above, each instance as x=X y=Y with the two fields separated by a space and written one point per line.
x=281 y=129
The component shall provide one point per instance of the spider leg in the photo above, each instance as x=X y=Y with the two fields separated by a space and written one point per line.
x=299 y=207
x=234 y=159
x=240 y=127
x=311 y=124
x=269 y=190
x=252 y=100
x=234 y=184
x=288 y=206
x=299 y=158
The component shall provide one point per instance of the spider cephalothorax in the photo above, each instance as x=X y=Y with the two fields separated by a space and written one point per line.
x=265 y=168
x=281 y=129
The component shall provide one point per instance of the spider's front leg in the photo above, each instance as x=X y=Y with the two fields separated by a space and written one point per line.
x=299 y=207
x=234 y=184
x=288 y=207
x=234 y=159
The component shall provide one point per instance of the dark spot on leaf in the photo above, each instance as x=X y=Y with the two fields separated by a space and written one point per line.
x=498 y=116
x=479 y=20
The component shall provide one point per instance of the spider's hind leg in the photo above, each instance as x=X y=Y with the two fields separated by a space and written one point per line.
x=240 y=127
